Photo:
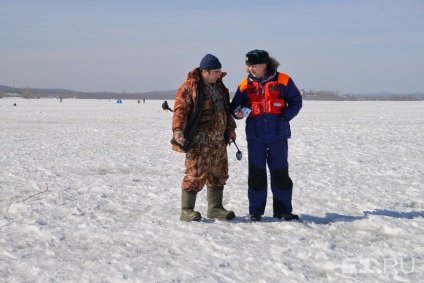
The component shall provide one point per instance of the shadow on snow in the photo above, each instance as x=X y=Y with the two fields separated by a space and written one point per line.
x=329 y=217
x=335 y=217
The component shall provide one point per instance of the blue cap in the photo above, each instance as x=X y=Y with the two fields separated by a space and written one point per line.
x=210 y=62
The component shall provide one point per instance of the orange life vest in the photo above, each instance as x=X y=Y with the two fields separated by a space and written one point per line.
x=267 y=99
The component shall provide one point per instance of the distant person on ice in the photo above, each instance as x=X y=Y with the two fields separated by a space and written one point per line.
x=269 y=100
x=202 y=127
x=165 y=106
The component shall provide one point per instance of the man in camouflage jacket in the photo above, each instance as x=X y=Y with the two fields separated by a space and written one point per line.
x=204 y=96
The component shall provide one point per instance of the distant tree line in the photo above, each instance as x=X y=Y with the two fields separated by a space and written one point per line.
x=27 y=92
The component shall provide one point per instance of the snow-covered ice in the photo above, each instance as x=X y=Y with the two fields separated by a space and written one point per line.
x=90 y=192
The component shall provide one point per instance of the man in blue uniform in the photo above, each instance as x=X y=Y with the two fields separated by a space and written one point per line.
x=269 y=100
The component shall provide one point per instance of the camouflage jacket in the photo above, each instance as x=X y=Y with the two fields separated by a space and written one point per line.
x=213 y=124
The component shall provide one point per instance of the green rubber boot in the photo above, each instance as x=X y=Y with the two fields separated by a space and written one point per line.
x=188 y=200
x=215 y=208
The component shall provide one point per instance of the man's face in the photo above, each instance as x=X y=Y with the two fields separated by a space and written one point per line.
x=258 y=70
x=211 y=76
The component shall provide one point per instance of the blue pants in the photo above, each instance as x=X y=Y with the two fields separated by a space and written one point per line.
x=275 y=154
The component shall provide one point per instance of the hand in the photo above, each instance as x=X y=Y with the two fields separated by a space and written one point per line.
x=239 y=114
x=179 y=137
x=233 y=136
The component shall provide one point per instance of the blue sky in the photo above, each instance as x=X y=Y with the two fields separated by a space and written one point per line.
x=138 y=46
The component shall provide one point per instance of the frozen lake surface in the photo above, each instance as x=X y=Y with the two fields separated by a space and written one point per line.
x=90 y=192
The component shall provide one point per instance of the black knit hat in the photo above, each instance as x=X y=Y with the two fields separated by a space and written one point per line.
x=257 y=57
x=210 y=62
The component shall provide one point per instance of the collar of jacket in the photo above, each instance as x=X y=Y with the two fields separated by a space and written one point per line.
x=262 y=82
x=195 y=75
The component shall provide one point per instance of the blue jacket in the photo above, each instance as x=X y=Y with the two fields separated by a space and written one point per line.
x=269 y=126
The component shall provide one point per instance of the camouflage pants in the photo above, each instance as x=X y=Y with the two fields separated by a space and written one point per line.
x=205 y=164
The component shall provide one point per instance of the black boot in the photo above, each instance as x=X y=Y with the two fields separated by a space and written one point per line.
x=188 y=200
x=256 y=217
x=287 y=216
x=215 y=208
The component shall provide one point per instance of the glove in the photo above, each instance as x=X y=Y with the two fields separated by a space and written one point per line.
x=179 y=137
